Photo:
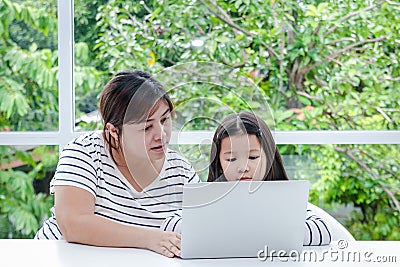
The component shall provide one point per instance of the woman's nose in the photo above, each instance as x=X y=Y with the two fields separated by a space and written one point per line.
x=159 y=132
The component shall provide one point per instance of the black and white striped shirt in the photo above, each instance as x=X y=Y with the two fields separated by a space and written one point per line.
x=316 y=232
x=86 y=163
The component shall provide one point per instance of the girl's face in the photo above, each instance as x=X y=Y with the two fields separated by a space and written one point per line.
x=242 y=158
x=148 y=140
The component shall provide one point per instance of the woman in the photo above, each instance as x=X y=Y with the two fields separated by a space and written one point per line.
x=116 y=188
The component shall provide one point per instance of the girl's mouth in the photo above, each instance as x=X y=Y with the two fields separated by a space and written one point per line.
x=245 y=179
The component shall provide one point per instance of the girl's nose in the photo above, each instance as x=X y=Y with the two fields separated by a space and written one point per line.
x=244 y=168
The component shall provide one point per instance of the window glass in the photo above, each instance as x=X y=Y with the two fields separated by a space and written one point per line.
x=357 y=184
x=314 y=75
x=25 y=174
x=28 y=66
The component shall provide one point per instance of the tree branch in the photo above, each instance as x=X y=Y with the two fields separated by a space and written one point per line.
x=229 y=22
x=308 y=96
x=349 y=47
x=342 y=40
x=320 y=82
x=394 y=79
x=381 y=166
x=331 y=57
x=392 y=196
x=281 y=56
x=350 y=154
x=380 y=110
x=336 y=61
x=353 y=14
x=146 y=7
x=234 y=66
x=199 y=29
x=315 y=32
x=226 y=16
x=390 y=172
x=235 y=26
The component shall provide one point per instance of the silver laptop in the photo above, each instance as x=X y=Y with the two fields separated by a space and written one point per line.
x=243 y=219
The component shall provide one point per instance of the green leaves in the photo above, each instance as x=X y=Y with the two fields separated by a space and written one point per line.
x=21 y=211
x=314 y=11
x=12 y=99
x=359 y=176
x=320 y=66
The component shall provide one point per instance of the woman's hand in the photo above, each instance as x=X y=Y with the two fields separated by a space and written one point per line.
x=164 y=243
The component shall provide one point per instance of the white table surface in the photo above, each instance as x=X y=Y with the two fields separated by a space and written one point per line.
x=32 y=253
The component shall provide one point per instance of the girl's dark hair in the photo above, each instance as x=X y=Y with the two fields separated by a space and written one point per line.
x=246 y=123
x=129 y=97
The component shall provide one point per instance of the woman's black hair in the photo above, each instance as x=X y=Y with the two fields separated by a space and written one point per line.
x=129 y=97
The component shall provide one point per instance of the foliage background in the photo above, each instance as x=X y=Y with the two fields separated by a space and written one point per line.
x=320 y=65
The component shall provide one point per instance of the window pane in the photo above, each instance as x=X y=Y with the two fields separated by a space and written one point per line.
x=198 y=156
x=25 y=174
x=90 y=72
x=313 y=74
x=28 y=66
x=358 y=184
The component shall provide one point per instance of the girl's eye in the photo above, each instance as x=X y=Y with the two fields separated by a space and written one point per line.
x=163 y=120
x=230 y=159
x=253 y=157
x=147 y=128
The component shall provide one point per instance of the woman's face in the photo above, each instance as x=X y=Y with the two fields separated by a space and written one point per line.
x=148 y=140
x=242 y=158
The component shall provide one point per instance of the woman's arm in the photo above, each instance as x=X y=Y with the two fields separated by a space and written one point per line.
x=316 y=232
x=173 y=223
x=74 y=208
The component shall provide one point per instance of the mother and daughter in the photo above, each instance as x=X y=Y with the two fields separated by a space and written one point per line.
x=123 y=187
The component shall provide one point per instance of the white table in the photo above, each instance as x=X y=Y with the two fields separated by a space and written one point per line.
x=32 y=253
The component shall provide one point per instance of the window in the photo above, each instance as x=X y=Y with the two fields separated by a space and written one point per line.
x=95 y=39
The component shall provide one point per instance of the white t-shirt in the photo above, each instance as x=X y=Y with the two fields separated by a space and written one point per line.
x=87 y=164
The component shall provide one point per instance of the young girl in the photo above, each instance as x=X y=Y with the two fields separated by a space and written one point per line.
x=117 y=187
x=243 y=149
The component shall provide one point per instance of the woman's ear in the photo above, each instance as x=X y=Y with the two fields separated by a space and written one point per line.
x=113 y=131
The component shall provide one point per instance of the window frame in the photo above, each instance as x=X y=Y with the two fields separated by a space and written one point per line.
x=66 y=105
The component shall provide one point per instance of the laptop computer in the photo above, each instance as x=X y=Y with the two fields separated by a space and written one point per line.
x=239 y=219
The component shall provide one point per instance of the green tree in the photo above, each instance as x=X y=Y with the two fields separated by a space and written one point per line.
x=323 y=65
x=28 y=85
x=320 y=65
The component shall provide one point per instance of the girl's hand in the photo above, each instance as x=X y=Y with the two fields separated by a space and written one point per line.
x=164 y=243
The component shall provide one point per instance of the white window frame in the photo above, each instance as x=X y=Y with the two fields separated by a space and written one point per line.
x=66 y=104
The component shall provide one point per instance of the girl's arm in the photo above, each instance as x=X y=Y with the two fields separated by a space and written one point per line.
x=74 y=208
x=316 y=232
x=173 y=223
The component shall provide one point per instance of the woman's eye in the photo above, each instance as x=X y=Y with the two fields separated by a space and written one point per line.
x=147 y=127
x=253 y=157
x=230 y=159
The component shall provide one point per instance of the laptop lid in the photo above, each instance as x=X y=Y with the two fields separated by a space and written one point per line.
x=238 y=219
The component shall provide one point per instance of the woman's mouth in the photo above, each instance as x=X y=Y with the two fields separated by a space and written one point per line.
x=245 y=179
x=158 y=149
